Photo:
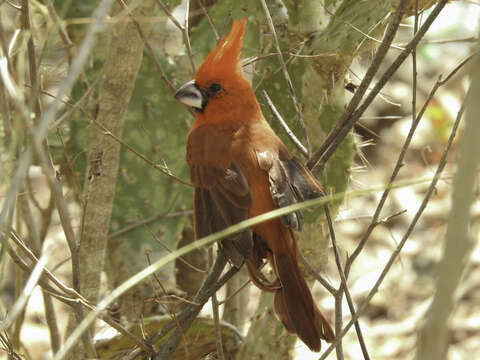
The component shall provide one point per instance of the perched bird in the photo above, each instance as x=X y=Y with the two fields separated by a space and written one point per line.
x=241 y=169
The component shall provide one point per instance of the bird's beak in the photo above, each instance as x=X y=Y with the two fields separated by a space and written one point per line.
x=190 y=95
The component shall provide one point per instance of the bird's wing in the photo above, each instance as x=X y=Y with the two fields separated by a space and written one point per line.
x=222 y=196
x=290 y=182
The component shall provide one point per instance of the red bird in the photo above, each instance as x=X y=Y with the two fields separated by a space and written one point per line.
x=241 y=169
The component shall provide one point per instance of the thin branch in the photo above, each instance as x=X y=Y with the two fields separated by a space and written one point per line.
x=67 y=290
x=338 y=327
x=149 y=220
x=36 y=241
x=385 y=97
x=32 y=66
x=385 y=220
x=22 y=300
x=8 y=347
x=186 y=37
x=107 y=132
x=132 y=281
x=58 y=23
x=169 y=306
x=321 y=153
x=216 y=320
x=344 y=286
x=150 y=50
x=414 y=68
x=76 y=106
x=399 y=165
x=209 y=19
x=350 y=116
x=191 y=266
x=70 y=296
x=367 y=36
x=254 y=59
x=183 y=29
x=19 y=285
x=170 y=345
x=13 y=5
x=284 y=125
x=47 y=116
x=317 y=276
x=235 y=292
x=396 y=252
x=470 y=39
x=148 y=161
x=287 y=75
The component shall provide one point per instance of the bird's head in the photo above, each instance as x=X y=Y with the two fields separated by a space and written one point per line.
x=219 y=86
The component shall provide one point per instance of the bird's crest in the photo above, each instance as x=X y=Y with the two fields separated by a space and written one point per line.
x=225 y=59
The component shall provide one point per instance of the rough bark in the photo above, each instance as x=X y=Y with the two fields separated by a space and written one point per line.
x=121 y=68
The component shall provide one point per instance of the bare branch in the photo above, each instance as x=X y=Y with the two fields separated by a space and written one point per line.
x=216 y=318
x=343 y=126
x=183 y=29
x=209 y=19
x=149 y=220
x=405 y=237
x=149 y=48
x=20 y=303
x=206 y=290
x=148 y=161
x=284 y=125
x=70 y=296
x=287 y=76
x=317 y=276
x=399 y=165
x=350 y=116
x=344 y=286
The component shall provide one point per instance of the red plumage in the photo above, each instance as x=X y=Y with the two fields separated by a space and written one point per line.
x=241 y=169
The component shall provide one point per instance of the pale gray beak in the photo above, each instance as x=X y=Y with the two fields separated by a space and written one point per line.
x=190 y=95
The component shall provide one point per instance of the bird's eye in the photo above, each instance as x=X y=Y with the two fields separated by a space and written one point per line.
x=215 y=87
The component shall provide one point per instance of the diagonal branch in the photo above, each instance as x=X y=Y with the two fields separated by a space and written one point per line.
x=183 y=29
x=284 y=125
x=398 y=249
x=399 y=165
x=343 y=286
x=291 y=89
x=188 y=315
x=350 y=116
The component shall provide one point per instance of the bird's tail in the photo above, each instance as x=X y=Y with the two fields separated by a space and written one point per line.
x=294 y=303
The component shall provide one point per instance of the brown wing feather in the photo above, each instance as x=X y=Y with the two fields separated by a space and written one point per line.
x=222 y=196
x=290 y=182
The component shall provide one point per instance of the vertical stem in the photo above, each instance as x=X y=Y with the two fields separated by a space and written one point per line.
x=414 y=67
x=35 y=243
x=433 y=337
x=216 y=318
x=169 y=346
x=32 y=66
x=338 y=324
